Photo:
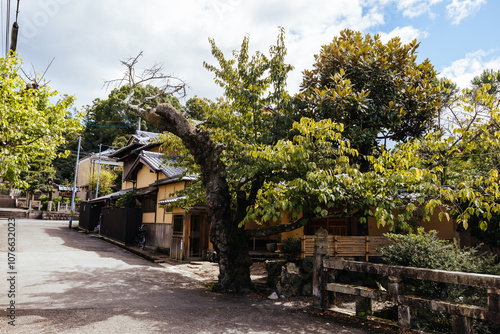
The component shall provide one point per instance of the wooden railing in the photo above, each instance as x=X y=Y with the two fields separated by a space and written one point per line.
x=347 y=246
x=326 y=270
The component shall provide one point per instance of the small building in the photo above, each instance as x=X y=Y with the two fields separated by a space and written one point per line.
x=88 y=168
x=154 y=183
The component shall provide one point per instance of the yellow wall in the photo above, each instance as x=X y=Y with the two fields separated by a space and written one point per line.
x=165 y=191
x=84 y=171
x=148 y=217
x=169 y=216
x=445 y=227
x=374 y=230
x=145 y=177
x=127 y=185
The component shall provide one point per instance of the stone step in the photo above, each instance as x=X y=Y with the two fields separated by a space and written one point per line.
x=7 y=203
x=13 y=214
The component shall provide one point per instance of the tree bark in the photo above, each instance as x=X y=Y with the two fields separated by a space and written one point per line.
x=230 y=242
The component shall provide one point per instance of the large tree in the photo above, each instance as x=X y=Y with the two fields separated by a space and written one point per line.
x=377 y=90
x=250 y=114
x=32 y=126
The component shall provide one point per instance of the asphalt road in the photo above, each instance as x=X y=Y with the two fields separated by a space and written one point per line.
x=69 y=282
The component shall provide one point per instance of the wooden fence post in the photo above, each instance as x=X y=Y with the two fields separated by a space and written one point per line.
x=320 y=295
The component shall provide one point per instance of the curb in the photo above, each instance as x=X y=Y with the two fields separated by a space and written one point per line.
x=134 y=250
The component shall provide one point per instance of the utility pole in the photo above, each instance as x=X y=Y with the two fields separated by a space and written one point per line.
x=98 y=173
x=74 y=184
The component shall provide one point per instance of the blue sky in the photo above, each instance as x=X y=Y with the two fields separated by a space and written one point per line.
x=87 y=39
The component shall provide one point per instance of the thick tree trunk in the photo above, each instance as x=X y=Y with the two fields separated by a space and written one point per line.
x=230 y=242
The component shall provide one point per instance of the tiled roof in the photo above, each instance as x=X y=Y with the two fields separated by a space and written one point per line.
x=111 y=196
x=144 y=137
x=155 y=161
x=170 y=200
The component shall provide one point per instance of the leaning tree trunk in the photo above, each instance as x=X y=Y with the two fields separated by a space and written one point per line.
x=230 y=242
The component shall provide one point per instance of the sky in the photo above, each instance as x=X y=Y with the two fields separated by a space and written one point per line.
x=86 y=40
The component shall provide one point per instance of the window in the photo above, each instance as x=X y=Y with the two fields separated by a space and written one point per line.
x=334 y=225
x=178 y=225
x=149 y=204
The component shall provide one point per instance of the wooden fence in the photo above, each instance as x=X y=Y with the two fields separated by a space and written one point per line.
x=347 y=246
x=326 y=270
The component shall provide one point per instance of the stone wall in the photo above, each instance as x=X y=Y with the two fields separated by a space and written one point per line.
x=46 y=215
x=290 y=278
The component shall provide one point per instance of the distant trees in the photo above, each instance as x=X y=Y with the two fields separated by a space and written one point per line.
x=106 y=120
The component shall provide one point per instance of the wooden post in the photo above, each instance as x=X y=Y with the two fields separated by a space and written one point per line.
x=395 y=287
x=320 y=295
x=367 y=248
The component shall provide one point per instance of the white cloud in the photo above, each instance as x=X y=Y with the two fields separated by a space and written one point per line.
x=407 y=34
x=89 y=38
x=457 y=10
x=462 y=71
x=415 y=8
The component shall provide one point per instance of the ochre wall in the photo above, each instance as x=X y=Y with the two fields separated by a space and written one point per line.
x=165 y=191
x=145 y=177
x=445 y=227
x=148 y=217
x=127 y=185
x=84 y=173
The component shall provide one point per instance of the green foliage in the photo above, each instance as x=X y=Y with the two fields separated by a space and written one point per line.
x=489 y=236
x=40 y=176
x=127 y=200
x=488 y=78
x=108 y=180
x=196 y=108
x=32 y=126
x=62 y=200
x=426 y=250
x=376 y=90
x=252 y=112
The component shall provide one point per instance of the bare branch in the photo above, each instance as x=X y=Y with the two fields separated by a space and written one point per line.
x=167 y=84
x=32 y=80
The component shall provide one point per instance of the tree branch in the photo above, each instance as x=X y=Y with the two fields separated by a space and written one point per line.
x=273 y=230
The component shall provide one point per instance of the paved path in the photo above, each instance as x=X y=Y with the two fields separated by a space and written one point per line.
x=69 y=282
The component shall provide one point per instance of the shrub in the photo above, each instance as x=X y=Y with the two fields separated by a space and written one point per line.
x=426 y=250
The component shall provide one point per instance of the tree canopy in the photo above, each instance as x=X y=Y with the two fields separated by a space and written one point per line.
x=377 y=90
x=32 y=126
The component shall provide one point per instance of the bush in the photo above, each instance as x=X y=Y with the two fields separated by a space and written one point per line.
x=426 y=250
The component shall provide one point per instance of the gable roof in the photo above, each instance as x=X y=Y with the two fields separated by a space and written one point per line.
x=156 y=163
x=140 y=140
